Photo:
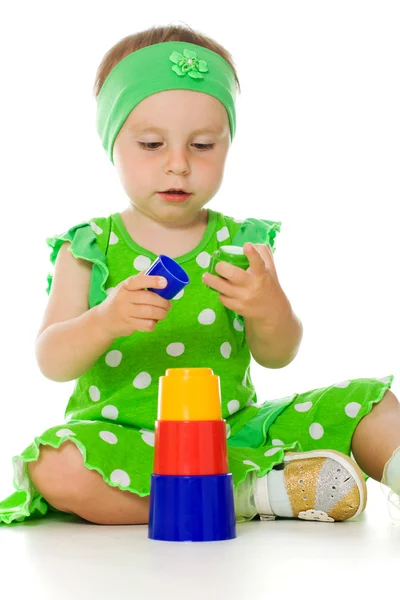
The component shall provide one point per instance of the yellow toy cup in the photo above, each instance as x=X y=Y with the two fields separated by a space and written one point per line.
x=189 y=395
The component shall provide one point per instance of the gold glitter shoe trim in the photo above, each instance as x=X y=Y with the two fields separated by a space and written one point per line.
x=301 y=478
x=347 y=506
x=348 y=463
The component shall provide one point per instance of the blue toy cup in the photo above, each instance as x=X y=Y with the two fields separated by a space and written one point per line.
x=197 y=508
x=177 y=278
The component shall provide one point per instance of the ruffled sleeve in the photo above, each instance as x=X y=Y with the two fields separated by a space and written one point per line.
x=89 y=242
x=257 y=231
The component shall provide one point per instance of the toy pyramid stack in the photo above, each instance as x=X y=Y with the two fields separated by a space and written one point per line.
x=191 y=497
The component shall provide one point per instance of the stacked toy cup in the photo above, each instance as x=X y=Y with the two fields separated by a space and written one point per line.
x=191 y=496
x=176 y=276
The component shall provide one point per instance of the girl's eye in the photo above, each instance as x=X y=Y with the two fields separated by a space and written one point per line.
x=150 y=146
x=205 y=146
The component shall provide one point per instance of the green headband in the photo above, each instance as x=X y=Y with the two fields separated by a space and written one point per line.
x=165 y=66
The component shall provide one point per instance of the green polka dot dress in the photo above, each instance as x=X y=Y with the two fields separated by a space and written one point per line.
x=111 y=413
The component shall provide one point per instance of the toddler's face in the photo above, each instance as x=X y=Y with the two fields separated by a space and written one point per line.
x=149 y=162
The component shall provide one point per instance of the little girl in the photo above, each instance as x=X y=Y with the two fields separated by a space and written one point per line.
x=166 y=118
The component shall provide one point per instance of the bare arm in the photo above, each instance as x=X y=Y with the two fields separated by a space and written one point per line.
x=276 y=348
x=71 y=338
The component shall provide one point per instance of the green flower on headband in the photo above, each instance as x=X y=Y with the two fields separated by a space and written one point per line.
x=188 y=64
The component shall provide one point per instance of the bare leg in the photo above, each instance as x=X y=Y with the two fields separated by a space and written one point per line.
x=377 y=436
x=63 y=480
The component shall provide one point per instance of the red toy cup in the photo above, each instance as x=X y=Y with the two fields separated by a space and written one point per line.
x=190 y=448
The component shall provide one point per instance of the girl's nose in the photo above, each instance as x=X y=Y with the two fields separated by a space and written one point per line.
x=177 y=163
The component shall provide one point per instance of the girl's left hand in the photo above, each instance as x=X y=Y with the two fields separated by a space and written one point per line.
x=255 y=293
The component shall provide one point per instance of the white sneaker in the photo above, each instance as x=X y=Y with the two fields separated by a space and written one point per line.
x=321 y=485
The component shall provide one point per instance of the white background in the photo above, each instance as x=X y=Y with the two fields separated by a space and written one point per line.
x=317 y=147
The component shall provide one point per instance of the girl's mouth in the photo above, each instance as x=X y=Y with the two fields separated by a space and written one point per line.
x=174 y=196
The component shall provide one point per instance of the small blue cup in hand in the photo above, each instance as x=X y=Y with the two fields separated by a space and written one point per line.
x=167 y=267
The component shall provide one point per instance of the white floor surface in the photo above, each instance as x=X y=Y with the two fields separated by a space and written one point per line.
x=61 y=558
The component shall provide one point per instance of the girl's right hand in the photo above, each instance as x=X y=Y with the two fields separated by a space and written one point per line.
x=130 y=307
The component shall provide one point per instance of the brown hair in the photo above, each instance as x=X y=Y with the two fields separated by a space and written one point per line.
x=156 y=35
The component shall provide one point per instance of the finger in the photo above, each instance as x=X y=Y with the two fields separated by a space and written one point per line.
x=235 y=275
x=257 y=262
x=266 y=252
x=150 y=298
x=230 y=303
x=145 y=311
x=144 y=324
x=141 y=282
x=220 y=285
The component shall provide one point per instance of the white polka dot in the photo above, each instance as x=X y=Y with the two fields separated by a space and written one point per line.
x=342 y=384
x=179 y=295
x=113 y=238
x=142 y=380
x=109 y=290
x=223 y=234
x=228 y=430
x=121 y=477
x=384 y=379
x=207 y=316
x=303 y=406
x=237 y=325
x=226 y=349
x=316 y=431
x=251 y=463
x=141 y=263
x=109 y=437
x=110 y=412
x=175 y=349
x=203 y=260
x=113 y=358
x=233 y=406
x=352 y=409
x=272 y=451
x=277 y=443
x=148 y=436
x=96 y=228
x=64 y=432
x=94 y=393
